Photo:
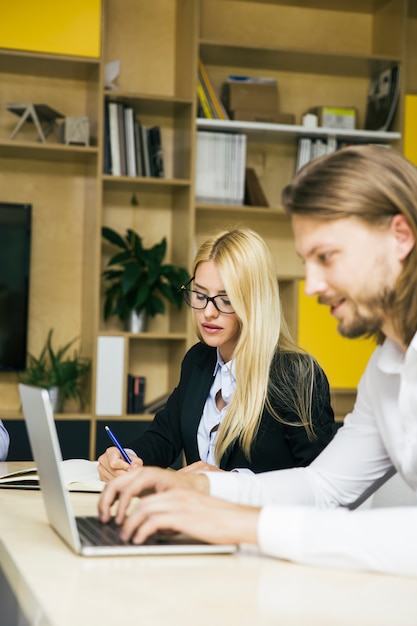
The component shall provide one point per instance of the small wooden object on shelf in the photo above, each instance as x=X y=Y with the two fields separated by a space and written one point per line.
x=38 y=114
x=75 y=131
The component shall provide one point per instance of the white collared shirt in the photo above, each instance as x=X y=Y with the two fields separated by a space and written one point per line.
x=381 y=432
x=4 y=442
x=223 y=378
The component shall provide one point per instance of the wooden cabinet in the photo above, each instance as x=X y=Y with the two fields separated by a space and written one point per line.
x=320 y=52
x=61 y=182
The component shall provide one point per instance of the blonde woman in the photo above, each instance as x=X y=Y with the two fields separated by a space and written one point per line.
x=248 y=398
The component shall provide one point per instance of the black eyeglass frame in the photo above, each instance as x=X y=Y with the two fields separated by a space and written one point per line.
x=184 y=289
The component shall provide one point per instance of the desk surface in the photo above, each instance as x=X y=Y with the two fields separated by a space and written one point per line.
x=56 y=588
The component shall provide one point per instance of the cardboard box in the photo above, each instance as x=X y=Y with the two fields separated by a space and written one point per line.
x=252 y=115
x=336 y=117
x=250 y=95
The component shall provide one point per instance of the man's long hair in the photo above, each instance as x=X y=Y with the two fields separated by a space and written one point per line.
x=372 y=183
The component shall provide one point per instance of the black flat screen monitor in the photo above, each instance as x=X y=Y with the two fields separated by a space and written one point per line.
x=15 y=234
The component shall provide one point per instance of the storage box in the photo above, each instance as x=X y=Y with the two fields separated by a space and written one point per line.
x=75 y=130
x=250 y=95
x=252 y=115
x=335 y=117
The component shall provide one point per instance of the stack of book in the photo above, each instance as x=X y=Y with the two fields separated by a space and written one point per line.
x=209 y=103
x=130 y=148
x=220 y=172
x=309 y=149
x=135 y=394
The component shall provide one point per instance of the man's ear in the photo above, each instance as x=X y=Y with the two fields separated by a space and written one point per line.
x=404 y=236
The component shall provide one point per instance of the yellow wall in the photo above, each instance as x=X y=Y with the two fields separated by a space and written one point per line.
x=342 y=359
x=410 y=128
x=64 y=27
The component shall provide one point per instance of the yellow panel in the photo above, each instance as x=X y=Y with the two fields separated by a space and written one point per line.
x=410 y=128
x=342 y=359
x=71 y=28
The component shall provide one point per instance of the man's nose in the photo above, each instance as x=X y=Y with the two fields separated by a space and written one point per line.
x=314 y=281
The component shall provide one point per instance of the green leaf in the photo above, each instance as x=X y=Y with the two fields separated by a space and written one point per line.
x=114 y=237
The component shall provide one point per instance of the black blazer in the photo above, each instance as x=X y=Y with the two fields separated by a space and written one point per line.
x=277 y=445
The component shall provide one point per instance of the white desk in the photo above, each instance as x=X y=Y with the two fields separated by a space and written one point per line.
x=56 y=588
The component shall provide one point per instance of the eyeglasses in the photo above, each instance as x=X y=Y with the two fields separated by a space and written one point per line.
x=199 y=301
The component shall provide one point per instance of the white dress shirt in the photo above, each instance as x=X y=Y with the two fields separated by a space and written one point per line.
x=224 y=380
x=379 y=434
x=4 y=442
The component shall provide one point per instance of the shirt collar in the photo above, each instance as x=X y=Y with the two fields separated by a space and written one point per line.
x=392 y=358
x=231 y=365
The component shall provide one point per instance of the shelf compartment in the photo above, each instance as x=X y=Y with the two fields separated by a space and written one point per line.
x=49 y=65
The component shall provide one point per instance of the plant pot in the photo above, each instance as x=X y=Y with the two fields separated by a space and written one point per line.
x=136 y=322
x=55 y=398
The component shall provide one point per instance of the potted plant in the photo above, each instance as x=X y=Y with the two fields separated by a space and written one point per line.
x=137 y=279
x=58 y=371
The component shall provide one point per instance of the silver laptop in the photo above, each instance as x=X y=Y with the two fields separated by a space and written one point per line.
x=85 y=535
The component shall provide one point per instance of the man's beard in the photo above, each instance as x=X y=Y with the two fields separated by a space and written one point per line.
x=368 y=324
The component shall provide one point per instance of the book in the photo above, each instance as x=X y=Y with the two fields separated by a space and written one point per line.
x=383 y=94
x=106 y=142
x=216 y=105
x=139 y=164
x=254 y=194
x=130 y=142
x=220 y=167
x=144 y=148
x=203 y=101
x=304 y=151
x=122 y=137
x=79 y=475
x=156 y=157
x=114 y=139
x=135 y=394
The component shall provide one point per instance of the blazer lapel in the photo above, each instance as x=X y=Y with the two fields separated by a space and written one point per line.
x=198 y=388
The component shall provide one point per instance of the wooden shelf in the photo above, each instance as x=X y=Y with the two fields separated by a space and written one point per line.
x=47 y=151
x=270 y=132
x=267 y=213
x=147 y=104
x=123 y=182
x=293 y=60
x=146 y=336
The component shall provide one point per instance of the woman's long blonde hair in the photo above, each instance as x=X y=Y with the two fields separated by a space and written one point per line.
x=250 y=281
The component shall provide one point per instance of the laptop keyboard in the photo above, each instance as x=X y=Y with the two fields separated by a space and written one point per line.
x=95 y=533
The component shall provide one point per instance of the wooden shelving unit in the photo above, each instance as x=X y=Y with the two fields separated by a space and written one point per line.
x=320 y=52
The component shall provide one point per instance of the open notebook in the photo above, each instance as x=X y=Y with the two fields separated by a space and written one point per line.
x=85 y=535
x=78 y=474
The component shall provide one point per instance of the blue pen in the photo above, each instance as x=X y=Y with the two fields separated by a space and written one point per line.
x=118 y=445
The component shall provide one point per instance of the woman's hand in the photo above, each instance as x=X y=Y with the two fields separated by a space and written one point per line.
x=199 y=466
x=111 y=464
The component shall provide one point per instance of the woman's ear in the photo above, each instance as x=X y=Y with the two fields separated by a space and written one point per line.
x=404 y=236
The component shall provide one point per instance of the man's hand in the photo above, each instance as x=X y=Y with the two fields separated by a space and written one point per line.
x=111 y=464
x=177 y=503
x=143 y=481
x=196 y=514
